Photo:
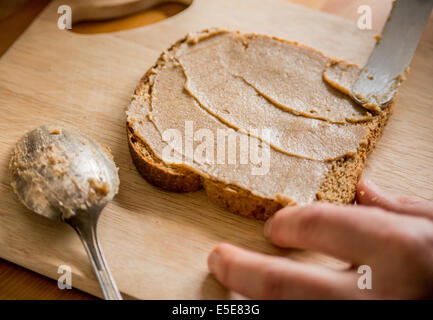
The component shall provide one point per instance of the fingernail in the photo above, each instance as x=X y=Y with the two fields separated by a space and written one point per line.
x=267 y=228
x=214 y=261
x=370 y=184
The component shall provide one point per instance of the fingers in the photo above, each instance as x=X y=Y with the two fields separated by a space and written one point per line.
x=260 y=276
x=370 y=194
x=350 y=233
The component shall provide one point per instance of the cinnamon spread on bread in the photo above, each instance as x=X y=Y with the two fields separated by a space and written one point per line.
x=267 y=91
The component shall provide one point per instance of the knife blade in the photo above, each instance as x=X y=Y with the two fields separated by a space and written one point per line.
x=390 y=58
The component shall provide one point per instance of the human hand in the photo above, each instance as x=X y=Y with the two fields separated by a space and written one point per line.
x=392 y=235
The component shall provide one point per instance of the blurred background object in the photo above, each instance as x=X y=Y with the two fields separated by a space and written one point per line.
x=15 y=17
x=7 y=7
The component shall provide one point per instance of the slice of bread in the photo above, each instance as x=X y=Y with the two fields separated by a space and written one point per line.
x=337 y=183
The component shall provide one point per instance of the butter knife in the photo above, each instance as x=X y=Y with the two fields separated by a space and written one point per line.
x=390 y=58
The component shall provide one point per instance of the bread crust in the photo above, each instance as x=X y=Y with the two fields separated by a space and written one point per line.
x=339 y=185
x=175 y=179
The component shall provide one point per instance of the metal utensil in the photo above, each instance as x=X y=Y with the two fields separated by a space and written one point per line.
x=388 y=63
x=62 y=175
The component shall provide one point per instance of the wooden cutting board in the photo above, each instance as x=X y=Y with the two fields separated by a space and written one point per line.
x=157 y=242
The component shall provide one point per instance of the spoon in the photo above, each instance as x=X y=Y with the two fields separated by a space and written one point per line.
x=64 y=176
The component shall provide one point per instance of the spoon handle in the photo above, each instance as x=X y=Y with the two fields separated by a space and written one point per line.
x=87 y=233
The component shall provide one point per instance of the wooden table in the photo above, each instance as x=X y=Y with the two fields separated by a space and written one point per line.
x=16 y=15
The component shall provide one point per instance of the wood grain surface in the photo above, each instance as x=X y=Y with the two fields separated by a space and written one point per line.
x=141 y=210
